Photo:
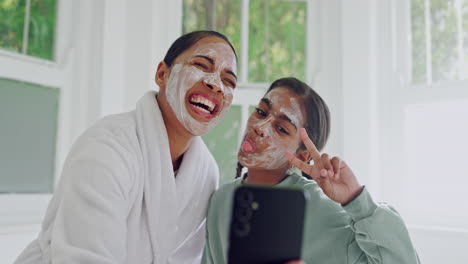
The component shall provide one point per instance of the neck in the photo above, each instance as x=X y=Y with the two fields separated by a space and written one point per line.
x=179 y=138
x=265 y=177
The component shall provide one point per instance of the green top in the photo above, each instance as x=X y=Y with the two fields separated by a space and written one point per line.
x=360 y=232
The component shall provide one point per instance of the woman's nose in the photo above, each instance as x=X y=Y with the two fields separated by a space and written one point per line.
x=213 y=81
x=261 y=127
x=259 y=131
x=214 y=86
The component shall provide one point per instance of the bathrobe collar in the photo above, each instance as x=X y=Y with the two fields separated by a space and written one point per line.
x=165 y=196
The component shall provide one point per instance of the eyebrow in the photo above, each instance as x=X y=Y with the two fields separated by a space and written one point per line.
x=280 y=116
x=210 y=60
x=206 y=58
x=266 y=101
x=285 y=117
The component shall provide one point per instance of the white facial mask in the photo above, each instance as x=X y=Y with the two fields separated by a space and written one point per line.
x=273 y=156
x=183 y=77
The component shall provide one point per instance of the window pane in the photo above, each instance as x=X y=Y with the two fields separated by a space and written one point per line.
x=277 y=39
x=444 y=40
x=221 y=15
x=433 y=190
x=42 y=29
x=11 y=24
x=28 y=114
x=223 y=143
x=418 y=41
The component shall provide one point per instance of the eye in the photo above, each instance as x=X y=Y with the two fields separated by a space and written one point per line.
x=282 y=130
x=201 y=65
x=230 y=83
x=260 y=112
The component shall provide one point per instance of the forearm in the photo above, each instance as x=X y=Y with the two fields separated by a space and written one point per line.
x=380 y=233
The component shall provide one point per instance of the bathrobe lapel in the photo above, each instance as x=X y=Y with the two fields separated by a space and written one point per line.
x=160 y=195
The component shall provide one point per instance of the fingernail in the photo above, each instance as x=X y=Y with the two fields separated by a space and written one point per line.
x=323 y=173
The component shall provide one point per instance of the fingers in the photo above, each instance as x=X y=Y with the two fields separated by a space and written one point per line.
x=310 y=146
x=294 y=161
x=303 y=166
x=337 y=163
x=327 y=165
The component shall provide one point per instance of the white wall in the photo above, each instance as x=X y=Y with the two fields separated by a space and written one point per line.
x=325 y=65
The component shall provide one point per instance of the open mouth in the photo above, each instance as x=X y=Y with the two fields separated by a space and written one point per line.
x=203 y=104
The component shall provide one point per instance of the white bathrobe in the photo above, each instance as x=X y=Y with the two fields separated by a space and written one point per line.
x=119 y=201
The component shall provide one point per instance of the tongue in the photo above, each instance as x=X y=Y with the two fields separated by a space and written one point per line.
x=248 y=147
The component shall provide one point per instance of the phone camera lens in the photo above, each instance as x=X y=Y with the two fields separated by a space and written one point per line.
x=241 y=229
x=244 y=214
x=245 y=198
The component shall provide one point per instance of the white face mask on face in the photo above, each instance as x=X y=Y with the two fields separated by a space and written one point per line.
x=183 y=77
x=273 y=156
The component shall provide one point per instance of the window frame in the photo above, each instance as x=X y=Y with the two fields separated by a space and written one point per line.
x=24 y=212
x=401 y=92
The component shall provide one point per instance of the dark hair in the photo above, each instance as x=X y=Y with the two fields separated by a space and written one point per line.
x=188 y=40
x=317 y=124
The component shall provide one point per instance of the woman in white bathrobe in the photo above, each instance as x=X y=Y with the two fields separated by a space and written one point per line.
x=135 y=186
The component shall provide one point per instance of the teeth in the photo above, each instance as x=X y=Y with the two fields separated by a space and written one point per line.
x=201 y=100
x=202 y=109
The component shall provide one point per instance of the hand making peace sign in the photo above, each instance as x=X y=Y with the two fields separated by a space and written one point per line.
x=335 y=178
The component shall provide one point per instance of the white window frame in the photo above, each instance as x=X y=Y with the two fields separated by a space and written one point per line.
x=398 y=91
x=24 y=212
x=407 y=93
x=376 y=87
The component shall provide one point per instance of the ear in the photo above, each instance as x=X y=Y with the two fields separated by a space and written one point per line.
x=304 y=155
x=162 y=73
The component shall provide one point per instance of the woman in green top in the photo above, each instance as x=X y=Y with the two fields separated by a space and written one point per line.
x=343 y=224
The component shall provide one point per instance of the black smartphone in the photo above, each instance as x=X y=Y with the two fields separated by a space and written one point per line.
x=266 y=225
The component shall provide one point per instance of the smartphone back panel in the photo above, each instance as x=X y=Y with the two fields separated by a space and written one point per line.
x=266 y=225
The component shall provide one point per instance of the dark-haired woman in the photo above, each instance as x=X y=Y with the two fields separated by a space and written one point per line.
x=342 y=224
x=135 y=186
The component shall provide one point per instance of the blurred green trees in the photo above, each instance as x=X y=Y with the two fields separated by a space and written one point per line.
x=277 y=33
x=41 y=29
x=443 y=36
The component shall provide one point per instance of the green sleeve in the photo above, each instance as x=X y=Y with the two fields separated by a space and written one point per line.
x=380 y=233
x=207 y=256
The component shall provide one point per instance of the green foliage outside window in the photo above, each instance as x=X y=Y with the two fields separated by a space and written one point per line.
x=41 y=31
x=11 y=24
x=276 y=32
x=277 y=40
x=443 y=40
